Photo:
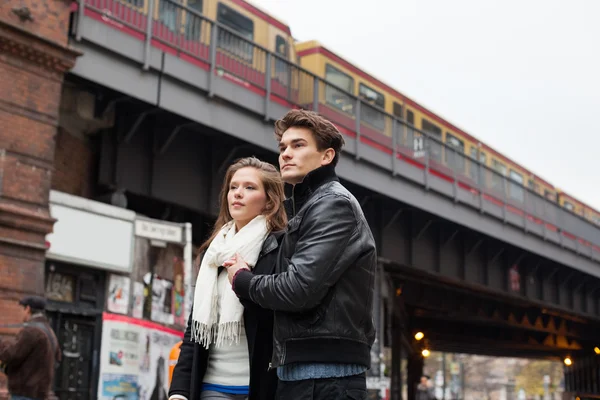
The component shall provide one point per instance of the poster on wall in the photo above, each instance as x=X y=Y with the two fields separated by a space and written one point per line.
x=134 y=359
x=178 y=292
x=118 y=294
x=137 y=310
x=161 y=301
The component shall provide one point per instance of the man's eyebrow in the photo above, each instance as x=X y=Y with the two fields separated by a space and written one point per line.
x=292 y=141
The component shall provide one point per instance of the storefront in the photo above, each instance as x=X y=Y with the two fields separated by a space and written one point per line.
x=112 y=278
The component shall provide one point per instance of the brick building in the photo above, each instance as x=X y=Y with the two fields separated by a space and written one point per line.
x=49 y=158
x=34 y=57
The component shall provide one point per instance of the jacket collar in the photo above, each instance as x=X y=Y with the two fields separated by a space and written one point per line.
x=312 y=181
x=270 y=243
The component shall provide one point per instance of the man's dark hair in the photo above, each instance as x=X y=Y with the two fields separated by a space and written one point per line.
x=325 y=133
x=36 y=303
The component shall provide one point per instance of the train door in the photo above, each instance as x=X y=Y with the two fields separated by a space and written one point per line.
x=196 y=29
x=174 y=17
x=239 y=46
x=279 y=44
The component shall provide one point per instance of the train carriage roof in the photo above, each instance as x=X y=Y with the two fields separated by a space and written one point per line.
x=265 y=15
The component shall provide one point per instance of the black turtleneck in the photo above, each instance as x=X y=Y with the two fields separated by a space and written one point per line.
x=296 y=195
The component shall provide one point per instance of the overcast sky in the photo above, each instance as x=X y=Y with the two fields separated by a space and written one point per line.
x=520 y=75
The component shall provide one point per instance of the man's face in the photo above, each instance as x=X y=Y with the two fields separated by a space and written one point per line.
x=26 y=313
x=298 y=154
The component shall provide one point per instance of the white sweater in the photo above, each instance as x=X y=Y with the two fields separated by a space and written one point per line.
x=228 y=365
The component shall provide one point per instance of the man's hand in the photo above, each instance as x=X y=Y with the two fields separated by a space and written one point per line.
x=233 y=265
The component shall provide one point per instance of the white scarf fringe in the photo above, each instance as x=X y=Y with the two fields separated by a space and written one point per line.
x=217 y=316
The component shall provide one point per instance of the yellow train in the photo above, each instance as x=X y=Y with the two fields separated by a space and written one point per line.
x=182 y=25
x=253 y=24
x=339 y=105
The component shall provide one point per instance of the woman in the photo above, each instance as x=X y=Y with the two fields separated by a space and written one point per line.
x=227 y=346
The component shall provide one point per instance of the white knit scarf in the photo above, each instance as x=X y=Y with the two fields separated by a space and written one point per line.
x=217 y=316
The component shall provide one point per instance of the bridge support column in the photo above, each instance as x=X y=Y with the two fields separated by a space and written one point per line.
x=414 y=371
x=396 y=381
x=34 y=56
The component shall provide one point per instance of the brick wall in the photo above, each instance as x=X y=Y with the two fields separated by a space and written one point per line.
x=50 y=18
x=74 y=164
x=33 y=60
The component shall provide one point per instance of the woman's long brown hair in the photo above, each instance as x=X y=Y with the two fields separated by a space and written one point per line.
x=273 y=185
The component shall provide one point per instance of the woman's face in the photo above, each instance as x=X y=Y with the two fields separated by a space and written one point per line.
x=246 y=197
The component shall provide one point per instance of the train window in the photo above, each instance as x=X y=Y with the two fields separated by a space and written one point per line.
x=482 y=156
x=335 y=97
x=499 y=167
x=410 y=117
x=550 y=195
x=281 y=67
x=397 y=111
x=435 y=148
x=498 y=178
x=455 y=158
x=474 y=168
x=569 y=206
x=168 y=14
x=195 y=5
x=431 y=128
x=533 y=185
x=135 y=3
x=281 y=46
x=241 y=24
x=371 y=96
x=371 y=115
x=193 y=23
x=410 y=133
x=516 y=186
x=596 y=219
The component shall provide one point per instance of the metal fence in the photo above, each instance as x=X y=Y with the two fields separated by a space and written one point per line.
x=224 y=50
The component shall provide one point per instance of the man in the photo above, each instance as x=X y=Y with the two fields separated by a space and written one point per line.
x=30 y=358
x=425 y=389
x=322 y=292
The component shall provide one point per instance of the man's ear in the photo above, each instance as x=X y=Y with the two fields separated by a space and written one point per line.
x=328 y=156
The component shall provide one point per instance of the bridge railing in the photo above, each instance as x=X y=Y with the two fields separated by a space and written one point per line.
x=185 y=32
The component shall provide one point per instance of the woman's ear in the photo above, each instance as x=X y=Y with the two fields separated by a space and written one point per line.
x=269 y=206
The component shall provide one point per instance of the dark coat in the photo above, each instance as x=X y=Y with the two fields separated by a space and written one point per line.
x=323 y=287
x=193 y=358
x=30 y=359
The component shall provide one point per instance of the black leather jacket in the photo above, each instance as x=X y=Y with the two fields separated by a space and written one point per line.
x=258 y=322
x=322 y=291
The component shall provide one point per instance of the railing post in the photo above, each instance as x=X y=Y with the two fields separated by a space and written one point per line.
x=357 y=127
x=269 y=59
x=505 y=197
x=454 y=177
x=525 y=199
x=213 y=58
x=178 y=22
x=480 y=182
x=394 y=145
x=290 y=78
x=149 y=23
x=80 y=15
x=426 y=147
x=316 y=85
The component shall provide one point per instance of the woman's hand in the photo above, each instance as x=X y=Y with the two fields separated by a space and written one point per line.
x=233 y=265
